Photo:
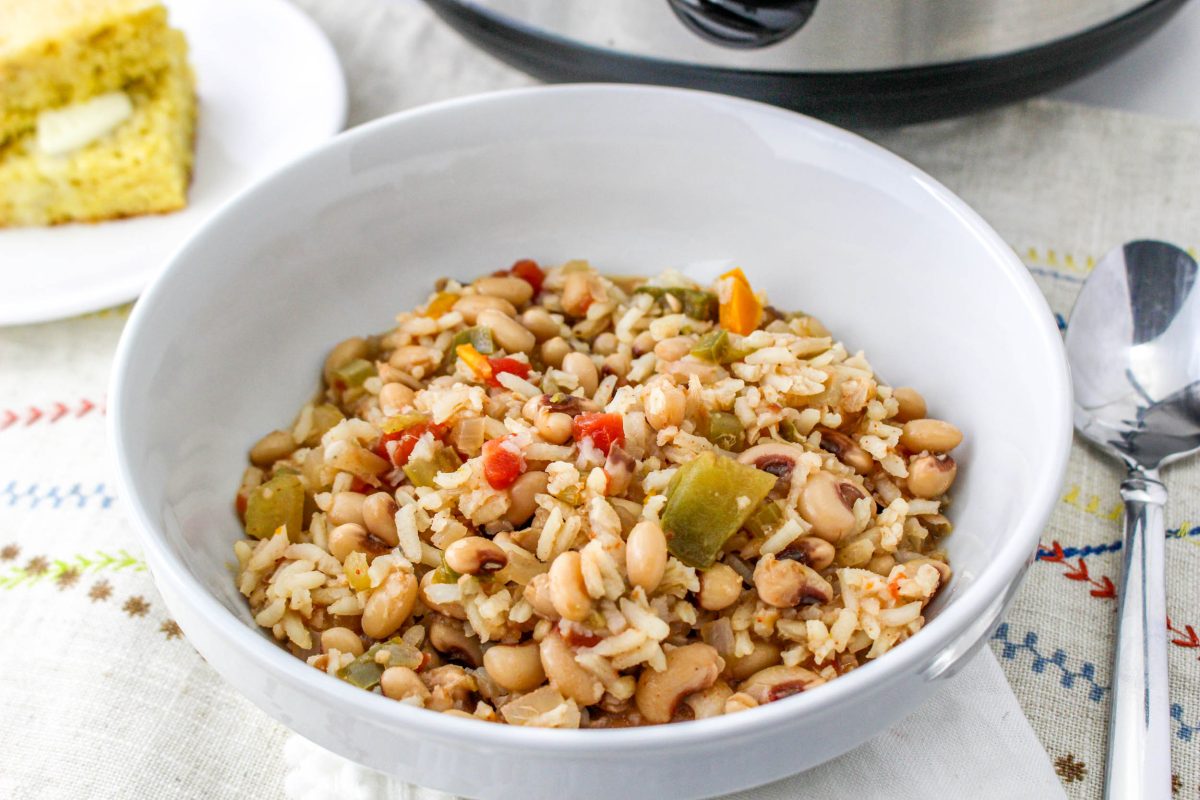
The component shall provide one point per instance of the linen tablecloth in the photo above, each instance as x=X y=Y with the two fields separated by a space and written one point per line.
x=101 y=696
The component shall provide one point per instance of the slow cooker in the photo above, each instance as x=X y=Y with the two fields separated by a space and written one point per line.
x=857 y=62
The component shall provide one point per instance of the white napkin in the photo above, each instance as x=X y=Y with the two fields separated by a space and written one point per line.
x=970 y=740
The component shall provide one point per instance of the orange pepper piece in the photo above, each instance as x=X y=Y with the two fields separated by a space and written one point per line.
x=441 y=304
x=742 y=312
x=475 y=360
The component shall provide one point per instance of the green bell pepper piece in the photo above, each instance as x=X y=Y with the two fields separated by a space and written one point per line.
x=279 y=501
x=702 y=509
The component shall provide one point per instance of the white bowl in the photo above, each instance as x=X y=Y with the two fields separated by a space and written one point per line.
x=228 y=342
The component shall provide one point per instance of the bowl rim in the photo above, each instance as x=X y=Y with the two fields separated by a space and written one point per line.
x=951 y=622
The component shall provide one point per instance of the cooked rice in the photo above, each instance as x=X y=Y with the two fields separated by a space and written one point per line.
x=786 y=383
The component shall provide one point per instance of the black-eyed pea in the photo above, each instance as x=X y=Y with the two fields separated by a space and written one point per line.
x=709 y=702
x=605 y=344
x=691 y=668
x=577 y=293
x=271 y=448
x=582 y=367
x=827 y=503
x=448 y=637
x=564 y=672
x=674 y=348
x=882 y=564
x=390 y=605
x=944 y=571
x=812 y=551
x=665 y=405
x=846 y=450
x=911 y=403
x=778 y=682
x=553 y=426
x=452 y=609
x=347 y=507
x=411 y=357
x=785 y=583
x=471 y=305
x=475 y=555
x=931 y=476
x=537 y=594
x=617 y=364
x=643 y=343
x=934 y=435
x=568 y=592
x=646 y=555
x=515 y=290
x=341 y=639
x=508 y=333
x=555 y=351
x=379 y=517
x=395 y=396
x=764 y=654
x=401 y=683
x=720 y=587
x=522 y=497
x=352 y=538
x=518 y=668
x=539 y=322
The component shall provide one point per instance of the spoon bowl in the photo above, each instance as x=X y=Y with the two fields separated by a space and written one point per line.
x=1133 y=344
x=1134 y=348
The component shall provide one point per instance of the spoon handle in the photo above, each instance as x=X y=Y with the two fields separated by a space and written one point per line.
x=1139 y=747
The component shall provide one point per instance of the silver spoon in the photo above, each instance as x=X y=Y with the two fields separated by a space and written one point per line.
x=1134 y=348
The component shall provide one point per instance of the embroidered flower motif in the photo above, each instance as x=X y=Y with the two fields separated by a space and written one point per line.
x=136 y=606
x=37 y=565
x=170 y=629
x=67 y=578
x=101 y=590
x=9 y=552
x=1069 y=768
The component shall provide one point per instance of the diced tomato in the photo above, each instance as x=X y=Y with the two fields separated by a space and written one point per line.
x=502 y=464
x=406 y=440
x=528 y=270
x=604 y=430
x=361 y=486
x=577 y=635
x=510 y=365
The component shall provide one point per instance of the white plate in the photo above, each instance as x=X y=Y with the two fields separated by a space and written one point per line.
x=270 y=88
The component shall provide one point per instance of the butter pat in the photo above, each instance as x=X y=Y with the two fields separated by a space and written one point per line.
x=64 y=130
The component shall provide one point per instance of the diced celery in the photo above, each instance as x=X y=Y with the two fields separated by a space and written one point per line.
x=402 y=422
x=789 y=431
x=422 y=472
x=713 y=346
x=324 y=417
x=726 y=431
x=696 y=303
x=765 y=519
x=366 y=670
x=355 y=373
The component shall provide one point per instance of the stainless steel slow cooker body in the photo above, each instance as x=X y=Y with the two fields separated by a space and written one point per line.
x=857 y=61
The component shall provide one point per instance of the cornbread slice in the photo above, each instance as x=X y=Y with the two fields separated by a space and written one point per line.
x=144 y=166
x=57 y=52
x=100 y=112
